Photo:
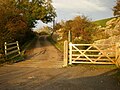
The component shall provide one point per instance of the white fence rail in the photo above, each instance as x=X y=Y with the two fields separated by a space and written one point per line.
x=12 y=50
x=91 y=53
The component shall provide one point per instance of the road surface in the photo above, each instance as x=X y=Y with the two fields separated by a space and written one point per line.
x=42 y=70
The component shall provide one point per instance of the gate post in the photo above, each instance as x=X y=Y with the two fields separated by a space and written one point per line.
x=65 y=53
x=69 y=36
x=70 y=53
x=118 y=55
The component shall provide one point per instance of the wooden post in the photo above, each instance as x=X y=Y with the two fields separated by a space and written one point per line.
x=117 y=51
x=65 y=53
x=18 y=47
x=69 y=36
x=70 y=53
x=118 y=55
x=5 y=48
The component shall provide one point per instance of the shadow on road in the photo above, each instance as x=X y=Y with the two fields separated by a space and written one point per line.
x=71 y=78
x=105 y=81
x=37 y=46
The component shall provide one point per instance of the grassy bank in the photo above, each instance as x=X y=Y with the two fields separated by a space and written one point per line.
x=59 y=45
x=102 y=22
x=26 y=45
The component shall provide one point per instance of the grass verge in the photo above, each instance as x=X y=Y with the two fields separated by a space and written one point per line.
x=102 y=22
x=26 y=45
x=59 y=45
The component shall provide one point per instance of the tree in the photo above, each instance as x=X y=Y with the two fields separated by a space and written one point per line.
x=57 y=26
x=81 y=27
x=18 y=17
x=8 y=18
x=34 y=10
x=116 y=8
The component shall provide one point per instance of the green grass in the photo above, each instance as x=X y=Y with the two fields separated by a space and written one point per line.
x=102 y=22
x=18 y=59
x=59 y=45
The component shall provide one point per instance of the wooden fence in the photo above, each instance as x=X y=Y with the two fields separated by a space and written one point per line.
x=12 y=50
x=91 y=53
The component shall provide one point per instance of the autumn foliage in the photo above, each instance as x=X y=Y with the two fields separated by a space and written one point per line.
x=81 y=28
x=18 y=17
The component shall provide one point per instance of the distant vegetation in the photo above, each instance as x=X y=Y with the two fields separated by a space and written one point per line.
x=43 y=33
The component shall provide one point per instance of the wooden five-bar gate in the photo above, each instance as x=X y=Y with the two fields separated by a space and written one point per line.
x=91 y=53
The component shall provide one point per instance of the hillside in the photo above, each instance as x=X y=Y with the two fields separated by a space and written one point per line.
x=102 y=22
x=110 y=33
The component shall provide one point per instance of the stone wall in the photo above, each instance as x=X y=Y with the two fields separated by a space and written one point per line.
x=112 y=29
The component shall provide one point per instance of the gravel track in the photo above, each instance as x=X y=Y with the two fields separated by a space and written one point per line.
x=42 y=70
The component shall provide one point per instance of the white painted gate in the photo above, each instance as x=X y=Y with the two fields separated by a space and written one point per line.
x=91 y=53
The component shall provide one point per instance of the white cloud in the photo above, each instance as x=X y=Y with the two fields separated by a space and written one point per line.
x=83 y=5
x=94 y=9
x=93 y=5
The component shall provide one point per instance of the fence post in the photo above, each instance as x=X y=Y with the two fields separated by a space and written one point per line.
x=70 y=53
x=118 y=55
x=65 y=53
x=5 y=48
x=69 y=36
x=18 y=47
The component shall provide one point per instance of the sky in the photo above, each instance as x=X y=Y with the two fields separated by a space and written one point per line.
x=93 y=9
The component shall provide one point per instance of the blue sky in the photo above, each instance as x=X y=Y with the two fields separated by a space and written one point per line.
x=93 y=9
